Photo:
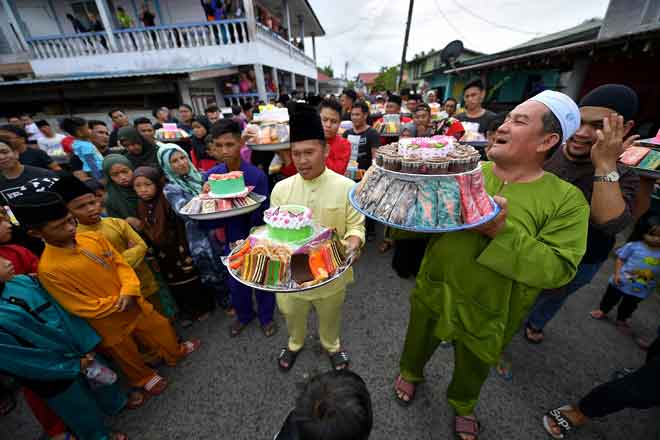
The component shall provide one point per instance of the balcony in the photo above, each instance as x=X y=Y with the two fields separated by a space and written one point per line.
x=170 y=47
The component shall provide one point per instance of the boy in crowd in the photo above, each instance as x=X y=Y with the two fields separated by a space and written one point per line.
x=87 y=276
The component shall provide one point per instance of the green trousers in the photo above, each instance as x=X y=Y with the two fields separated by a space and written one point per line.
x=470 y=372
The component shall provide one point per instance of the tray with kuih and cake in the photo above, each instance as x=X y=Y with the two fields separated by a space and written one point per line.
x=171 y=133
x=269 y=130
x=291 y=253
x=227 y=197
x=425 y=185
x=645 y=161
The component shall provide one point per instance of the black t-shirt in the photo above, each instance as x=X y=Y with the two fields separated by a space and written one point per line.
x=32 y=179
x=35 y=157
x=483 y=120
x=148 y=19
x=368 y=139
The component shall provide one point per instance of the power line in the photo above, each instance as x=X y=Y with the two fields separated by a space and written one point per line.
x=452 y=25
x=492 y=23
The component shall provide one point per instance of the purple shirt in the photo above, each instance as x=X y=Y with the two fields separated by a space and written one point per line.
x=238 y=228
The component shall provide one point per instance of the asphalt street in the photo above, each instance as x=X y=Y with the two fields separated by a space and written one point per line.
x=232 y=389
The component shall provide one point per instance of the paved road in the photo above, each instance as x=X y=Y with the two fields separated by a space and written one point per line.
x=232 y=389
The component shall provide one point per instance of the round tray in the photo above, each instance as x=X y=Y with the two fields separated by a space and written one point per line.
x=419 y=177
x=653 y=174
x=225 y=261
x=496 y=210
x=230 y=212
x=270 y=147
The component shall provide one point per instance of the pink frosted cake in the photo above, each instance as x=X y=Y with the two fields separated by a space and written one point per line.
x=289 y=223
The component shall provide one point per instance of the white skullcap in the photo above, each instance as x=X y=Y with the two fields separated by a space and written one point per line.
x=564 y=108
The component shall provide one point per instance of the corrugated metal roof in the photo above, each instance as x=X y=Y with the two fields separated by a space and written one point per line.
x=591 y=25
x=105 y=75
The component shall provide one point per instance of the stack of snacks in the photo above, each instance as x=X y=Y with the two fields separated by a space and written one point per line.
x=271 y=126
x=170 y=132
x=644 y=160
x=205 y=204
x=427 y=203
x=391 y=125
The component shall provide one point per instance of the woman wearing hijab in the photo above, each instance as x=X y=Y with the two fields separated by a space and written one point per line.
x=167 y=235
x=138 y=150
x=120 y=199
x=183 y=183
x=201 y=128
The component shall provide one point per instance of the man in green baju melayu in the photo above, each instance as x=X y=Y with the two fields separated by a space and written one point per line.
x=475 y=287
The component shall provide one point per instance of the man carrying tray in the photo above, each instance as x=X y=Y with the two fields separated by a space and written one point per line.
x=476 y=286
x=326 y=194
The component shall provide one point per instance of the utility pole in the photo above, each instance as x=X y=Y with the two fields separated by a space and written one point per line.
x=346 y=70
x=405 y=46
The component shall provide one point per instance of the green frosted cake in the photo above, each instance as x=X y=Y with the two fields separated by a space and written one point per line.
x=289 y=223
x=227 y=185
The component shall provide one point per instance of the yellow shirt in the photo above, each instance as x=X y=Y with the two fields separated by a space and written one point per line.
x=130 y=245
x=327 y=197
x=88 y=279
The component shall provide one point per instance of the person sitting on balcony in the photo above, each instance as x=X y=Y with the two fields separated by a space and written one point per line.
x=17 y=138
x=78 y=27
x=146 y=129
x=147 y=17
x=186 y=116
x=139 y=150
x=119 y=120
x=125 y=20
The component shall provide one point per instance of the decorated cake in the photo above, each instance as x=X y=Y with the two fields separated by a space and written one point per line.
x=289 y=223
x=429 y=203
x=227 y=185
x=289 y=253
x=434 y=155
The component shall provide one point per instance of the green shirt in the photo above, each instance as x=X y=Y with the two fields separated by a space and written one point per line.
x=480 y=288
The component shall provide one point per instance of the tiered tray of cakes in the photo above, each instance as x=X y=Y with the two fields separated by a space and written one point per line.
x=290 y=253
x=425 y=185
x=269 y=130
x=645 y=161
x=171 y=133
x=227 y=197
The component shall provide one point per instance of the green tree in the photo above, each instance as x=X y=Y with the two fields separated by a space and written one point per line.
x=328 y=70
x=387 y=78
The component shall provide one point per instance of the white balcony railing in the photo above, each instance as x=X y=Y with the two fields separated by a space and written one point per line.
x=275 y=41
x=213 y=33
x=240 y=98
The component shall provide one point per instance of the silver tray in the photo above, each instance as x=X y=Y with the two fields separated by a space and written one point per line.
x=653 y=174
x=420 y=177
x=496 y=210
x=270 y=147
x=230 y=212
x=347 y=265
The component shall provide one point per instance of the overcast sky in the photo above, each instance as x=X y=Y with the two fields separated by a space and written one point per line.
x=369 y=33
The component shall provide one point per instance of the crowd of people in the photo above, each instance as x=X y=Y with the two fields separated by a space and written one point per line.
x=98 y=267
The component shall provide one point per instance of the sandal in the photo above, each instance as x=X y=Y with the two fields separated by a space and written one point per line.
x=385 y=246
x=136 y=399
x=406 y=388
x=237 y=328
x=340 y=360
x=504 y=369
x=188 y=347
x=560 y=421
x=269 y=329
x=598 y=315
x=464 y=425
x=118 y=436
x=156 y=385
x=289 y=357
x=532 y=335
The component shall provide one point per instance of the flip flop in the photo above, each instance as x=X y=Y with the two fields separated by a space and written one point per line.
x=533 y=331
x=466 y=426
x=405 y=387
x=156 y=385
x=562 y=422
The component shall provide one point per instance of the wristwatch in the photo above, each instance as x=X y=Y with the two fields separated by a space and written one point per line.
x=609 y=177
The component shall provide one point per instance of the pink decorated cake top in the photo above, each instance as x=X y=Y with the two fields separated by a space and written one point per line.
x=227 y=176
x=288 y=217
